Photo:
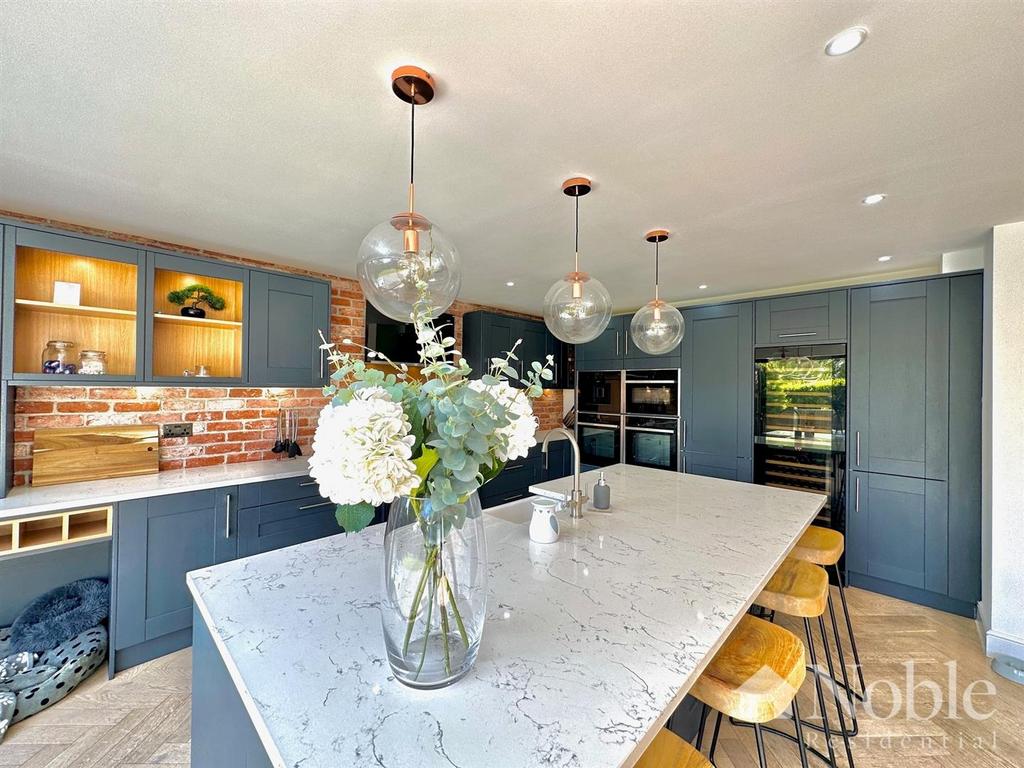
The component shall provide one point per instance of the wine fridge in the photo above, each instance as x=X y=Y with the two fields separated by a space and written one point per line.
x=800 y=423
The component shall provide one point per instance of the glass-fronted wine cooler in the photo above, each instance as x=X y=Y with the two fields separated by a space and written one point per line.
x=800 y=423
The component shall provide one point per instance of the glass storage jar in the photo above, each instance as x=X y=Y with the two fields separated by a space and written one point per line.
x=57 y=357
x=92 y=362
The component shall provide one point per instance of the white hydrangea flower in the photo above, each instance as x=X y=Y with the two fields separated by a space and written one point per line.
x=362 y=450
x=521 y=433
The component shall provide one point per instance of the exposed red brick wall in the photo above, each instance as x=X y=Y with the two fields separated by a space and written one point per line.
x=230 y=424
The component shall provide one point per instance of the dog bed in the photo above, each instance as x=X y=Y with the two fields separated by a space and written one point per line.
x=59 y=615
x=57 y=672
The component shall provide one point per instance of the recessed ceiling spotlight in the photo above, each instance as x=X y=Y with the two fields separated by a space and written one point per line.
x=874 y=199
x=846 y=41
x=511 y=283
x=702 y=287
x=884 y=259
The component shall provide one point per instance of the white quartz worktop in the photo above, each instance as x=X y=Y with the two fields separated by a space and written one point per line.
x=29 y=500
x=589 y=645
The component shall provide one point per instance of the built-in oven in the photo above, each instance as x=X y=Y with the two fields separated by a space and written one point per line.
x=600 y=438
x=599 y=392
x=652 y=393
x=652 y=441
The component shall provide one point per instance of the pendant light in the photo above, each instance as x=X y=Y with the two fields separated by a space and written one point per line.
x=407 y=257
x=577 y=308
x=658 y=327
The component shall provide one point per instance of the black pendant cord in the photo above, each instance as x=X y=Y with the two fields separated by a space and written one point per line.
x=412 y=139
x=577 y=233
x=657 y=263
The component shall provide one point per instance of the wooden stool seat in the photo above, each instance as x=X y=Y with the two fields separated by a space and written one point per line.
x=669 y=751
x=797 y=588
x=821 y=546
x=756 y=674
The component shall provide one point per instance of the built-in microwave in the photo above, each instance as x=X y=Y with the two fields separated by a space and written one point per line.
x=599 y=392
x=651 y=393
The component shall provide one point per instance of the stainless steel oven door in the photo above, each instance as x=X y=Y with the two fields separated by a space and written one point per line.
x=600 y=439
x=599 y=392
x=652 y=393
x=652 y=442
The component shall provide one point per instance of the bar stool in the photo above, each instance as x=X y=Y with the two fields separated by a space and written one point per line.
x=824 y=547
x=669 y=751
x=800 y=589
x=754 y=677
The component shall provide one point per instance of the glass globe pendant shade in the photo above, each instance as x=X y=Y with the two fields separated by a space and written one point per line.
x=657 y=328
x=405 y=260
x=577 y=308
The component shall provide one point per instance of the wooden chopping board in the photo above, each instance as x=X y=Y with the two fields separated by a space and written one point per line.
x=94 y=453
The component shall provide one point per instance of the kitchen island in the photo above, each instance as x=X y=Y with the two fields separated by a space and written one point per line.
x=589 y=646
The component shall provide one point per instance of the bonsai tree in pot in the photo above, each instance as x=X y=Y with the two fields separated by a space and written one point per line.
x=196 y=294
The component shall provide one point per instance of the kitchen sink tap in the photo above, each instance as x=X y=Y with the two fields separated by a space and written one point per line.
x=576 y=498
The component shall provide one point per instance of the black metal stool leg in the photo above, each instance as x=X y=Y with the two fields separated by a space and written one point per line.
x=714 y=738
x=799 y=728
x=820 y=694
x=762 y=758
x=849 y=628
x=840 y=700
x=855 y=726
x=703 y=720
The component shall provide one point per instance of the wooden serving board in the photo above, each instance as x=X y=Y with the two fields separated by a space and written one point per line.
x=94 y=453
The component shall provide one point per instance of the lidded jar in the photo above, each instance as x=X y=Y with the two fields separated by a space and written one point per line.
x=57 y=357
x=93 y=362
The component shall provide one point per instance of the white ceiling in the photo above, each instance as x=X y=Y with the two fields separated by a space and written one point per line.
x=268 y=129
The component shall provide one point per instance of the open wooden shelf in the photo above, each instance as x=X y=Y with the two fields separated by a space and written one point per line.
x=55 y=530
x=76 y=309
x=212 y=322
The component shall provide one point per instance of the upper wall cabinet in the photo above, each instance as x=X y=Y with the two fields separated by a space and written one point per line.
x=615 y=350
x=71 y=308
x=286 y=316
x=804 y=319
x=899 y=379
x=489 y=334
x=193 y=338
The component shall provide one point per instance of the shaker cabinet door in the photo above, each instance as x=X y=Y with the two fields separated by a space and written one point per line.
x=899 y=379
x=898 y=530
x=159 y=540
x=286 y=316
x=718 y=390
x=606 y=351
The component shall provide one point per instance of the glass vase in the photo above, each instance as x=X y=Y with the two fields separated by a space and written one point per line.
x=435 y=590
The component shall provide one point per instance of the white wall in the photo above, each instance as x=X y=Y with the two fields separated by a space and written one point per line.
x=1002 y=606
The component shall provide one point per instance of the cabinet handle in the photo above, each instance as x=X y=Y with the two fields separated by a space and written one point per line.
x=684 y=433
x=315 y=506
x=227 y=516
x=616 y=343
x=627 y=345
x=856 y=494
x=795 y=335
x=555 y=379
x=321 y=364
x=307 y=483
x=857 y=460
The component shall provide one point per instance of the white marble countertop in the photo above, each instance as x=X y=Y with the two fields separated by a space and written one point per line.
x=26 y=500
x=589 y=644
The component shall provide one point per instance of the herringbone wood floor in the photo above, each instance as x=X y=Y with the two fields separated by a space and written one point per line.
x=141 y=718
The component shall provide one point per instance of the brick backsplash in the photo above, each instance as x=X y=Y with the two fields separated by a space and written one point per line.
x=230 y=424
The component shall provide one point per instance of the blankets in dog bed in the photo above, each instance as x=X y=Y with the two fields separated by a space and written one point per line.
x=56 y=673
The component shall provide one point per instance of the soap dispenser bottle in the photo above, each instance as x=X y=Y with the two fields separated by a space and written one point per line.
x=602 y=494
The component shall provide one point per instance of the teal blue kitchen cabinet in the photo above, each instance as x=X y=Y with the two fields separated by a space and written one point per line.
x=717 y=426
x=899 y=379
x=491 y=334
x=807 y=318
x=914 y=494
x=156 y=542
x=286 y=316
x=607 y=351
x=282 y=513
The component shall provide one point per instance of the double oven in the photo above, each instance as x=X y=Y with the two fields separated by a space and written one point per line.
x=629 y=417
